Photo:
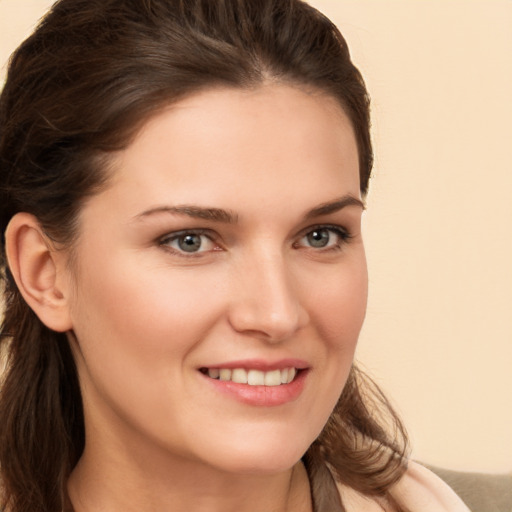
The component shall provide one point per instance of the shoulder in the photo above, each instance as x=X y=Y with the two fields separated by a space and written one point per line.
x=420 y=490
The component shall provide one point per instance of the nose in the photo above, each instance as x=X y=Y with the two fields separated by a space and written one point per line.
x=267 y=300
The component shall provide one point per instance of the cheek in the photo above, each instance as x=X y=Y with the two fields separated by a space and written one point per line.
x=338 y=306
x=337 y=310
x=135 y=327
x=141 y=307
x=339 y=316
x=135 y=330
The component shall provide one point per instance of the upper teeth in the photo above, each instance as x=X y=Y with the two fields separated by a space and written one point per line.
x=254 y=377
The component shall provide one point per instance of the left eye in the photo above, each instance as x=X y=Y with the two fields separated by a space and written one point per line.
x=189 y=242
x=324 y=237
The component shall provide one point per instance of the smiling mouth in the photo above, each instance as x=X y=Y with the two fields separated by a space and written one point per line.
x=252 y=377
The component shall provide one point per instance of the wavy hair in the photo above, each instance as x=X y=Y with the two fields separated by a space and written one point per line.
x=79 y=88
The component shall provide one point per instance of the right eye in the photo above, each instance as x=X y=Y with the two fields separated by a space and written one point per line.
x=188 y=242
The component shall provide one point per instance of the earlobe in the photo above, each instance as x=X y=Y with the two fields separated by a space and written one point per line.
x=37 y=268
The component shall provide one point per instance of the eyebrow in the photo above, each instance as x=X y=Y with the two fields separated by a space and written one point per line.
x=334 y=206
x=229 y=217
x=196 y=212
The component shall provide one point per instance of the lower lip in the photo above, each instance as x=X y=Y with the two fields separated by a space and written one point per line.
x=262 y=396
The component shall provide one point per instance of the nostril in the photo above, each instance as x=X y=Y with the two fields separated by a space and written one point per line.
x=267 y=325
x=266 y=304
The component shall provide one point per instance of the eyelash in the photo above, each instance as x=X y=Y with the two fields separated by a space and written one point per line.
x=167 y=239
x=342 y=233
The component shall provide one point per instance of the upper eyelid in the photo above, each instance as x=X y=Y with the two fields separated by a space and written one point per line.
x=165 y=242
x=332 y=227
x=193 y=231
x=213 y=233
x=341 y=232
x=216 y=238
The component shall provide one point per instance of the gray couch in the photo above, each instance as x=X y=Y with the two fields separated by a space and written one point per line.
x=481 y=492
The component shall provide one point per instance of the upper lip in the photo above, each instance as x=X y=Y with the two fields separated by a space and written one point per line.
x=262 y=365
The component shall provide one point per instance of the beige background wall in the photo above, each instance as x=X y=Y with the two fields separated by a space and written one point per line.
x=438 y=335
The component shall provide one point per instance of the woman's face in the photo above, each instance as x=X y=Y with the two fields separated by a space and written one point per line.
x=226 y=248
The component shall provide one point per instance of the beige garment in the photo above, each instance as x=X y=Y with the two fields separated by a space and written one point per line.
x=480 y=492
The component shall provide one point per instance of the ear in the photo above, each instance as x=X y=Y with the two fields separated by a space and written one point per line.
x=39 y=271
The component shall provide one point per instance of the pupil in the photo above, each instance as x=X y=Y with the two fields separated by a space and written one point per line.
x=190 y=243
x=319 y=238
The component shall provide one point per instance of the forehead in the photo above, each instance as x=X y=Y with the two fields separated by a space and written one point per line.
x=223 y=144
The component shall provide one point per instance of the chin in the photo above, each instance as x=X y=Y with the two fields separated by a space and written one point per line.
x=258 y=453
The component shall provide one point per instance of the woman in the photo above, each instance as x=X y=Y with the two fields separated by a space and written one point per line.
x=185 y=280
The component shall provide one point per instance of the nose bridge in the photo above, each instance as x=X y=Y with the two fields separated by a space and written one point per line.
x=267 y=302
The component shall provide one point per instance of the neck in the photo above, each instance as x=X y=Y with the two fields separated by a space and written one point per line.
x=118 y=483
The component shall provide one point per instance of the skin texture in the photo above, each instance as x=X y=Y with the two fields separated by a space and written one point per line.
x=144 y=316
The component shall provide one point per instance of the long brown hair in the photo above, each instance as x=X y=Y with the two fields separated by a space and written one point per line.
x=79 y=88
